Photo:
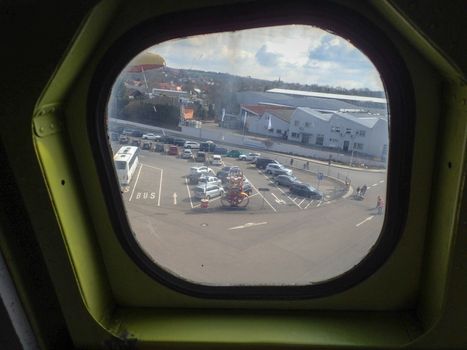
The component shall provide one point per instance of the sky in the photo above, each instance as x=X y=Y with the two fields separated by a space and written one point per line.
x=294 y=53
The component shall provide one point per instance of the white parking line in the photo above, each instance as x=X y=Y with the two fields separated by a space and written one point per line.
x=309 y=203
x=160 y=189
x=381 y=181
x=299 y=204
x=280 y=189
x=374 y=185
x=278 y=200
x=319 y=203
x=153 y=167
x=136 y=181
x=261 y=195
x=189 y=194
x=367 y=219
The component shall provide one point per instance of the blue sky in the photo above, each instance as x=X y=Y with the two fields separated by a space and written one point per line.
x=295 y=54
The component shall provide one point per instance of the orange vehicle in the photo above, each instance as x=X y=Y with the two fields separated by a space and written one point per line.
x=173 y=150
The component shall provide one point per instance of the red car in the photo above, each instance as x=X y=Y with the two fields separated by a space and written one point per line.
x=173 y=151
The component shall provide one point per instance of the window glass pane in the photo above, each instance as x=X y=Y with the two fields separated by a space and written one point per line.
x=214 y=195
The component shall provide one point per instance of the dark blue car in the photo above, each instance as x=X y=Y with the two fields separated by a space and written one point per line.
x=306 y=190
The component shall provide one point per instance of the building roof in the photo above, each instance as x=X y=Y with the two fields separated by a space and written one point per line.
x=282 y=114
x=328 y=95
x=260 y=109
x=364 y=119
x=369 y=121
x=316 y=113
x=258 y=97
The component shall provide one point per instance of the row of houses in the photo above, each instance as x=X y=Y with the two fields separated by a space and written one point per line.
x=343 y=130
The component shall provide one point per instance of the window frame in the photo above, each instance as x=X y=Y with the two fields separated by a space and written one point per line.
x=342 y=21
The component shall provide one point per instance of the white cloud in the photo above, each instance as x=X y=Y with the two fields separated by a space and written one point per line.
x=296 y=54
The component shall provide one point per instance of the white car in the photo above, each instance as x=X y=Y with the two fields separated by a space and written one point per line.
x=249 y=157
x=217 y=160
x=151 y=136
x=209 y=180
x=191 y=145
x=187 y=154
x=272 y=168
x=194 y=170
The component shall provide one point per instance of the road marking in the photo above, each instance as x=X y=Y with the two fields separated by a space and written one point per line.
x=248 y=224
x=299 y=204
x=153 y=167
x=160 y=189
x=175 y=198
x=309 y=203
x=261 y=195
x=319 y=203
x=278 y=200
x=136 y=181
x=367 y=219
x=189 y=194
x=381 y=181
x=374 y=185
x=280 y=189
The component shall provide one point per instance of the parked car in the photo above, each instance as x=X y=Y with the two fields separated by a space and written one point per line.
x=207 y=146
x=146 y=145
x=167 y=139
x=209 y=180
x=151 y=136
x=173 y=151
x=137 y=133
x=306 y=190
x=179 y=142
x=201 y=170
x=201 y=157
x=235 y=153
x=285 y=180
x=273 y=168
x=114 y=136
x=159 y=147
x=249 y=156
x=191 y=145
x=225 y=172
x=187 y=154
x=123 y=139
x=220 y=150
x=128 y=132
x=261 y=163
x=217 y=160
x=208 y=192
x=283 y=171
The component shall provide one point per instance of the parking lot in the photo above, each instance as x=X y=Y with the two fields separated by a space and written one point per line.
x=162 y=181
x=278 y=238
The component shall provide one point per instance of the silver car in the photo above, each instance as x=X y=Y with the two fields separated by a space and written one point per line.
x=208 y=191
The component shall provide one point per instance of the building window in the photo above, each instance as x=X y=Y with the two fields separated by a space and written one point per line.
x=335 y=129
x=307 y=124
x=278 y=131
x=295 y=135
x=358 y=146
x=361 y=133
x=296 y=123
x=348 y=131
x=319 y=140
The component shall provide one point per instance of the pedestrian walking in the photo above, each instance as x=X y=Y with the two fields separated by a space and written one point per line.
x=379 y=204
x=291 y=162
x=358 y=190
x=363 y=190
x=307 y=165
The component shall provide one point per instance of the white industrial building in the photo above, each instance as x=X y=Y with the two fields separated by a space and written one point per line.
x=347 y=131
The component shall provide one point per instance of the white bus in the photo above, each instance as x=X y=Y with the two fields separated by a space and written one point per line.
x=126 y=161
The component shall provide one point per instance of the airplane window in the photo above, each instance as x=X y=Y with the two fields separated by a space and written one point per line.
x=252 y=158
